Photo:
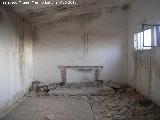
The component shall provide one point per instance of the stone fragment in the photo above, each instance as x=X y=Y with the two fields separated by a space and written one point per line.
x=113 y=85
x=50 y=117
x=107 y=89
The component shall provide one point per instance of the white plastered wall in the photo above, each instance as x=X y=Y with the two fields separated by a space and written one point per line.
x=144 y=12
x=62 y=43
x=15 y=57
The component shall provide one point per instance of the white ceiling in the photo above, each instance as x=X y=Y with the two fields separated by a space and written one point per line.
x=41 y=14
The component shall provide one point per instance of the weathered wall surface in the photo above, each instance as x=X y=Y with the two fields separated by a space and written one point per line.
x=141 y=12
x=15 y=57
x=91 y=39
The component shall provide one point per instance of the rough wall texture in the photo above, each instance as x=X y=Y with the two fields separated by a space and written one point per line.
x=15 y=57
x=138 y=75
x=90 y=39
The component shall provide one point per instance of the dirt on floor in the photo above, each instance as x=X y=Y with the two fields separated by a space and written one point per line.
x=84 y=101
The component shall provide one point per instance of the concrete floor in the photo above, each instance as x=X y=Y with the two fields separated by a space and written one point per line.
x=35 y=108
x=91 y=104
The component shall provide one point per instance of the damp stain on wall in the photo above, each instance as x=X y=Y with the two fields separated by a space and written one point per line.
x=1 y=16
x=86 y=18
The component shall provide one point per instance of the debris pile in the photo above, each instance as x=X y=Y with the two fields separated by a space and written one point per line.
x=38 y=88
x=122 y=102
x=126 y=105
x=42 y=89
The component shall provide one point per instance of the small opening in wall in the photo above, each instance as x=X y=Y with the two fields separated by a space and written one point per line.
x=143 y=40
x=147 y=37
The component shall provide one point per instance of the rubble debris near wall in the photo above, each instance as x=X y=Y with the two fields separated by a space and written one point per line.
x=123 y=102
x=126 y=105
x=38 y=88
x=42 y=89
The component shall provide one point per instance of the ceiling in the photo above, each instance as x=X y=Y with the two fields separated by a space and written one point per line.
x=42 y=14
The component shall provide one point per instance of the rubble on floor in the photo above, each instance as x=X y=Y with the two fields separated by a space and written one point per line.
x=120 y=103
x=40 y=89
x=102 y=87
x=126 y=105
x=50 y=117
